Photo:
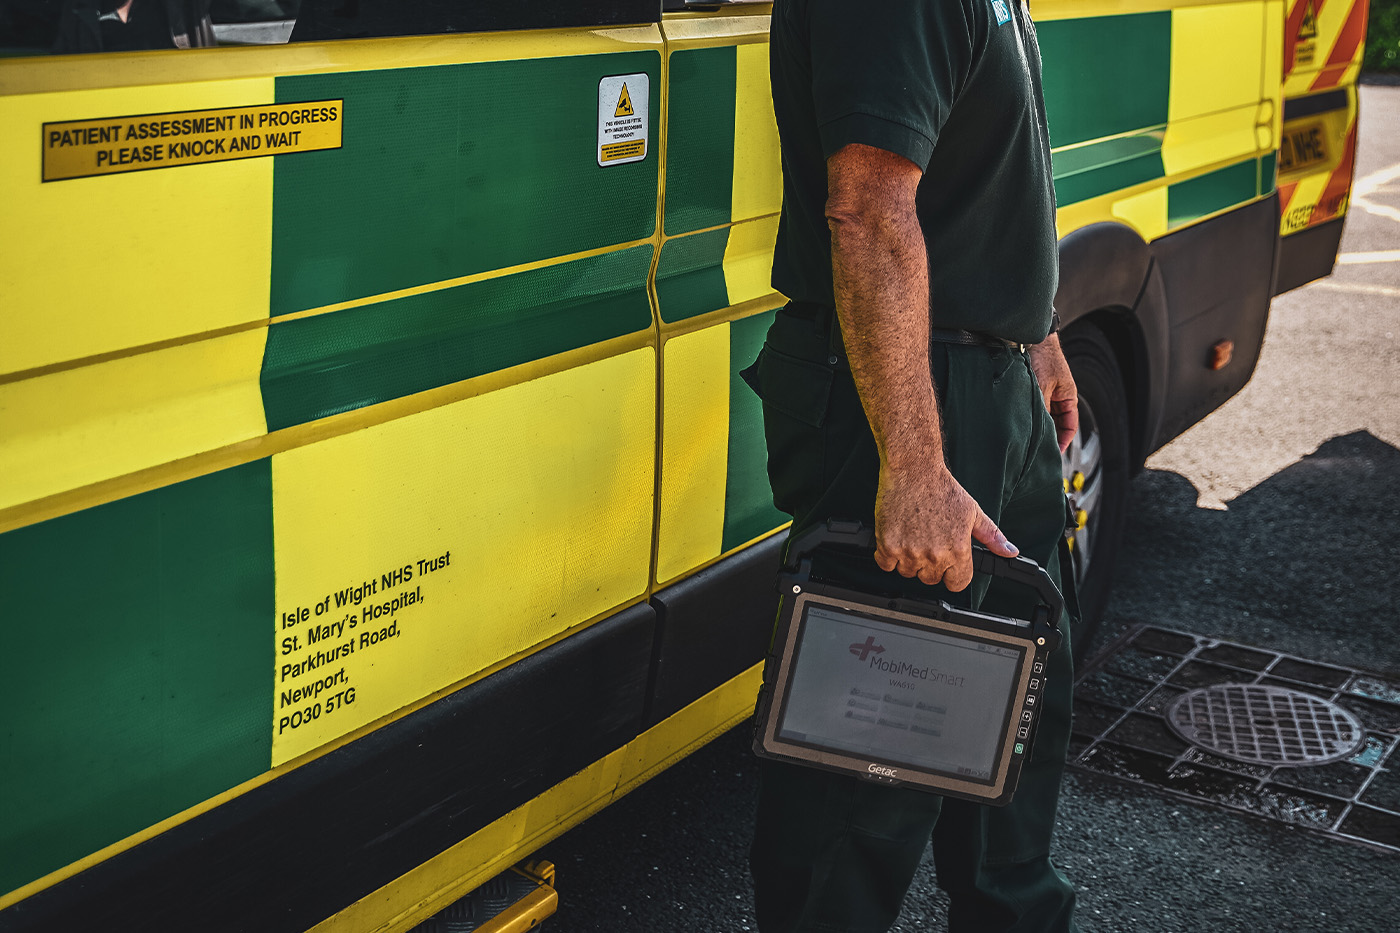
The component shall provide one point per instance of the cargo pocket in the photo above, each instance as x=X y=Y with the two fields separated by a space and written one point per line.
x=797 y=388
x=796 y=394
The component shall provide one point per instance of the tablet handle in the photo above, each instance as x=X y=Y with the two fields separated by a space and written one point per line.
x=857 y=536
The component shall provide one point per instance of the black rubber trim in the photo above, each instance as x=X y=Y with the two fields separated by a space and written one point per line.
x=1102 y=265
x=363 y=19
x=1109 y=280
x=1296 y=108
x=1219 y=278
x=1308 y=255
x=291 y=853
x=713 y=626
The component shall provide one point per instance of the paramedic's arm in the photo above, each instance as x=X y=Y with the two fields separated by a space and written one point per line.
x=924 y=520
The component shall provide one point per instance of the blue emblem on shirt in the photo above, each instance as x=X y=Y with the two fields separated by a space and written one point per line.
x=1003 y=12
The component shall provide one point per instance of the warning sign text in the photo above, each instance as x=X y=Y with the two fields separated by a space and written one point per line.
x=622 y=118
x=81 y=148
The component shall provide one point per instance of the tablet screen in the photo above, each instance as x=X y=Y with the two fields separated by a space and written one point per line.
x=899 y=694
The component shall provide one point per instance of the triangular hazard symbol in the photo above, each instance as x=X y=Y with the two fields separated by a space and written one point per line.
x=1309 y=28
x=624 y=104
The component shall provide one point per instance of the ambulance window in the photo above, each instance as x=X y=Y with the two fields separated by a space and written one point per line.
x=65 y=27
x=363 y=19
x=253 y=22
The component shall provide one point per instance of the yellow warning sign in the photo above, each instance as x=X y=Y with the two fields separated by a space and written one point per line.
x=624 y=104
x=1306 y=49
x=111 y=145
x=1308 y=30
x=622 y=118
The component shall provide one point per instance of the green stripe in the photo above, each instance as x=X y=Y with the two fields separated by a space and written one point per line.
x=690 y=275
x=1224 y=188
x=700 y=139
x=136 y=674
x=748 y=499
x=1105 y=75
x=323 y=365
x=435 y=161
x=1089 y=171
x=1268 y=173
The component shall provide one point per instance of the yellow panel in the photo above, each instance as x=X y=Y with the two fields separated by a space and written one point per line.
x=424 y=890
x=70 y=428
x=1213 y=139
x=451 y=539
x=1094 y=210
x=758 y=171
x=94 y=265
x=1272 y=79
x=1146 y=212
x=748 y=259
x=694 y=450
x=1217 y=56
x=698 y=30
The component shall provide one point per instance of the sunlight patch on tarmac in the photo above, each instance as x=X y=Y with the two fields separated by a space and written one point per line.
x=1379 y=255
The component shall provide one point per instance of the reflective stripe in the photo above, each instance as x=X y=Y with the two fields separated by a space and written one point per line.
x=75 y=427
x=1345 y=46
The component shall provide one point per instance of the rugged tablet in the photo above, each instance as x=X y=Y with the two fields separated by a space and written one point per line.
x=904 y=691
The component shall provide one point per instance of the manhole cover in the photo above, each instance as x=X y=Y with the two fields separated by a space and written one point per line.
x=1265 y=725
x=1250 y=738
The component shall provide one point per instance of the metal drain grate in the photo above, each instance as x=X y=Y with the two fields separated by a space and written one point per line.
x=1122 y=701
x=1265 y=725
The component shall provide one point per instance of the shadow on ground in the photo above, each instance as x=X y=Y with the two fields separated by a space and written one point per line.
x=1306 y=562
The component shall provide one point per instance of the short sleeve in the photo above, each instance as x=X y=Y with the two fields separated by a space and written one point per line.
x=885 y=73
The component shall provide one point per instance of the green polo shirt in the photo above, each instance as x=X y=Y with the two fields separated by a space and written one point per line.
x=954 y=87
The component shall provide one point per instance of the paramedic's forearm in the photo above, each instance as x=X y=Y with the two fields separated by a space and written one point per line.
x=880 y=273
x=924 y=520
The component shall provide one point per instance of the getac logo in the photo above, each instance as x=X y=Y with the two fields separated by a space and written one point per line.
x=882 y=771
x=868 y=647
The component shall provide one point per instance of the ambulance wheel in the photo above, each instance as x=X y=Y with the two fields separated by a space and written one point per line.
x=1096 y=475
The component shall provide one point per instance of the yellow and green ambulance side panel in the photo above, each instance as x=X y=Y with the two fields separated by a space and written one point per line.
x=1161 y=114
x=295 y=443
x=714 y=300
x=407 y=377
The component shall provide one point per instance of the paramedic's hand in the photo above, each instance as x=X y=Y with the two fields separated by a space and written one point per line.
x=1057 y=386
x=924 y=525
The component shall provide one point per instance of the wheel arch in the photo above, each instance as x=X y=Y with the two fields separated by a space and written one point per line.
x=1109 y=280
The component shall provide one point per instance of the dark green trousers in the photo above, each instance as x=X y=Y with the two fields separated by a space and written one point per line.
x=836 y=853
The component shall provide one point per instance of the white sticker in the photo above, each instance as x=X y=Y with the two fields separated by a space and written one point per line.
x=622 y=119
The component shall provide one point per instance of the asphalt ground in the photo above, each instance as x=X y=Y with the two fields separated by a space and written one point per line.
x=1272 y=523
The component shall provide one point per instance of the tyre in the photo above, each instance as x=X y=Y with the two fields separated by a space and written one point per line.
x=1096 y=469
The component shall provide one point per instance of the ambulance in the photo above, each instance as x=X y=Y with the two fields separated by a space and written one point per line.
x=378 y=494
